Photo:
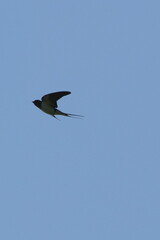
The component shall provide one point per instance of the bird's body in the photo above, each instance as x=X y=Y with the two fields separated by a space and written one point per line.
x=48 y=104
x=47 y=108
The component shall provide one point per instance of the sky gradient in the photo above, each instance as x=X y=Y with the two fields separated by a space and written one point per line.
x=96 y=178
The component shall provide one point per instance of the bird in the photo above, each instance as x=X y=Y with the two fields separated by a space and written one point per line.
x=48 y=104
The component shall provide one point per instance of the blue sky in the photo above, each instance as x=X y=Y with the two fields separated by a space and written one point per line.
x=96 y=178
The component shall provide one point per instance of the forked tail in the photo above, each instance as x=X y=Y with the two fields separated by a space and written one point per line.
x=68 y=114
x=74 y=115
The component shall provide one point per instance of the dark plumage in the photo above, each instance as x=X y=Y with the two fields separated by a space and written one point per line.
x=48 y=104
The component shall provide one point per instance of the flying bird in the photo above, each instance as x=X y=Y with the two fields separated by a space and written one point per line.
x=48 y=104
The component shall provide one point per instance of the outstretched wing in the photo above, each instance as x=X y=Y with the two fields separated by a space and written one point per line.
x=52 y=98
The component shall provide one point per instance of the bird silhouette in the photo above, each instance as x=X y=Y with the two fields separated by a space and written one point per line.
x=48 y=104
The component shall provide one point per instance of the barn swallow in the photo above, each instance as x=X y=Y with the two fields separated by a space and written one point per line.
x=48 y=104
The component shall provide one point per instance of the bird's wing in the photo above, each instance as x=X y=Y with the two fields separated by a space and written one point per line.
x=52 y=98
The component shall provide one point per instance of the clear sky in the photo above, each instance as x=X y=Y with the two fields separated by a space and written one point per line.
x=91 y=179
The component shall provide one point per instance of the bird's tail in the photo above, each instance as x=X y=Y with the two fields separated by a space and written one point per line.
x=67 y=114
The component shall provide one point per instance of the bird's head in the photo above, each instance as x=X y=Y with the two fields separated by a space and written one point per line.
x=37 y=103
